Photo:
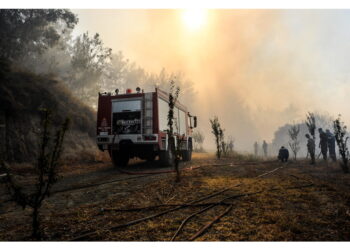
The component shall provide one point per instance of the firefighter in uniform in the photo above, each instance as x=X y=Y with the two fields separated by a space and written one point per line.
x=311 y=148
x=264 y=146
x=323 y=143
x=256 y=148
x=283 y=154
x=331 y=145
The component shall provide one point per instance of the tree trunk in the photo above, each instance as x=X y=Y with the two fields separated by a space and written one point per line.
x=345 y=165
x=35 y=223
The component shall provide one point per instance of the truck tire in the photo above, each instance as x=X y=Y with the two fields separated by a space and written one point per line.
x=186 y=155
x=119 y=159
x=151 y=158
x=166 y=157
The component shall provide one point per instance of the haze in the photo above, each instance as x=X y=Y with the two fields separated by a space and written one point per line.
x=255 y=69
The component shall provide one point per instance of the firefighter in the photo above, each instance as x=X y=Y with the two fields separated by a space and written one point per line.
x=256 y=148
x=264 y=146
x=323 y=143
x=331 y=145
x=283 y=154
x=230 y=146
x=311 y=148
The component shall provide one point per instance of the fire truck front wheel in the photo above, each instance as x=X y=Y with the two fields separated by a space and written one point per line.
x=119 y=159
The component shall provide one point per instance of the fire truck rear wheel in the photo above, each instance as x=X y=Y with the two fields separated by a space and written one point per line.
x=119 y=159
x=151 y=157
x=166 y=157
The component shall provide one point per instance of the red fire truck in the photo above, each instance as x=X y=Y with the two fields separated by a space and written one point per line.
x=135 y=125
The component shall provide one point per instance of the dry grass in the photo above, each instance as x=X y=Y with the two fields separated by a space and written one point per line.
x=320 y=212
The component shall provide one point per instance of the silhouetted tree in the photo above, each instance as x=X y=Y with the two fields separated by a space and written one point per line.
x=26 y=31
x=173 y=96
x=89 y=59
x=311 y=125
x=219 y=135
x=50 y=149
x=340 y=133
x=294 y=142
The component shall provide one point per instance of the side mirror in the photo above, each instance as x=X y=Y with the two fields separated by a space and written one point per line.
x=195 y=121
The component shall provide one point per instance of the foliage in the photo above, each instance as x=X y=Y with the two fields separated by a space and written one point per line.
x=219 y=136
x=27 y=31
x=294 y=142
x=198 y=138
x=340 y=133
x=50 y=150
x=41 y=41
x=89 y=58
x=173 y=96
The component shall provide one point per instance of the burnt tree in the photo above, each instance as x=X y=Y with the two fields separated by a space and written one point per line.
x=50 y=149
x=173 y=146
x=219 y=136
x=340 y=133
x=294 y=142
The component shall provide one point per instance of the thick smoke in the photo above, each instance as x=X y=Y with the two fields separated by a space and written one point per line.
x=255 y=69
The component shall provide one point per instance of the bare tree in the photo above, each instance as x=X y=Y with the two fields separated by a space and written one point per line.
x=341 y=137
x=46 y=170
x=219 y=135
x=294 y=141
x=174 y=147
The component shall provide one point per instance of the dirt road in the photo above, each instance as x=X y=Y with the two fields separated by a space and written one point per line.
x=293 y=201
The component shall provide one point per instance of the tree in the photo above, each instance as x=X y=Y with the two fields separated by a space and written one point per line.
x=198 y=138
x=89 y=59
x=294 y=141
x=114 y=75
x=173 y=96
x=219 y=135
x=340 y=133
x=46 y=170
x=28 y=31
x=311 y=125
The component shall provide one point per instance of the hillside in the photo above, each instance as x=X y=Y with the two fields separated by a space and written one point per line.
x=22 y=94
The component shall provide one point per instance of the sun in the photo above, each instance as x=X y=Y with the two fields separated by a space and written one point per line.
x=194 y=18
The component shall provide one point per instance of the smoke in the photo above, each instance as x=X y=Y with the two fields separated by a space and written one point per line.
x=255 y=69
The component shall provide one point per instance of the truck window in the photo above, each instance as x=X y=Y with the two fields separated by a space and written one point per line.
x=120 y=106
x=126 y=117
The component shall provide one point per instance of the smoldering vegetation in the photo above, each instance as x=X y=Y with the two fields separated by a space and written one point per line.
x=22 y=95
x=282 y=137
x=253 y=83
x=255 y=69
x=44 y=66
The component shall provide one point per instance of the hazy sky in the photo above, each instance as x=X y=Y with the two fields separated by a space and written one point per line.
x=255 y=69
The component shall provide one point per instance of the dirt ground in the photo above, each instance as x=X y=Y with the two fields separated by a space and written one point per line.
x=270 y=201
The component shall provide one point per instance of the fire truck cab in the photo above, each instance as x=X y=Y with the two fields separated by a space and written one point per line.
x=135 y=125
